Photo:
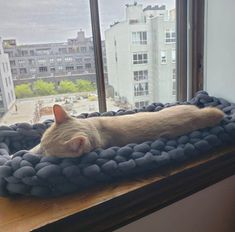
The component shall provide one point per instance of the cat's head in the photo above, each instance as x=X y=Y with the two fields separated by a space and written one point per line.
x=66 y=137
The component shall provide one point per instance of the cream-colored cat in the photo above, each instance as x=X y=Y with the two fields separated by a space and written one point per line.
x=70 y=137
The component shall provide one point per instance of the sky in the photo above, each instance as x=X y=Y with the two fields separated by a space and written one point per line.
x=43 y=21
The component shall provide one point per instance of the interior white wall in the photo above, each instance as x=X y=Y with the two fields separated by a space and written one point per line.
x=209 y=210
x=220 y=48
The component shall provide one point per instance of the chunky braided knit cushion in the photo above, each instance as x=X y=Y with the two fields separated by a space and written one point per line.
x=29 y=174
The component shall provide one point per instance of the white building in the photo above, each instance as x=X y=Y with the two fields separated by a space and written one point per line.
x=141 y=56
x=7 y=93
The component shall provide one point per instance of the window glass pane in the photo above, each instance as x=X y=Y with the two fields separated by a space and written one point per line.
x=145 y=36
x=51 y=59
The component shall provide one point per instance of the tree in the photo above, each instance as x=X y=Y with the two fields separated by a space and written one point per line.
x=23 y=90
x=43 y=88
x=67 y=87
x=85 y=86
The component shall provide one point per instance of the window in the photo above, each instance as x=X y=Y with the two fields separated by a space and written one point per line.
x=59 y=59
x=134 y=41
x=6 y=82
x=139 y=37
x=23 y=70
x=79 y=67
x=140 y=58
x=173 y=56
x=141 y=104
x=88 y=65
x=78 y=60
x=31 y=62
x=140 y=75
x=9 y=80
x=21 y=62
x=12 y=62
x=43 y=51
x=69 y=68
x=68 y=59
x=9 y=97
x=52 y=69
x=31 y=52
x=163 y=57
x=14 y=71
x=62 y=50
x=24 y=53
x=12 y=95
x=170 y=36
x=43 y=69
x=32 y=70
x=141 y=89
x=83 y=49
x=41 y=61
x=174 y=82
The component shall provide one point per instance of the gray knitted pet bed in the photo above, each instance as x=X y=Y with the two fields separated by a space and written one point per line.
x=25 y=173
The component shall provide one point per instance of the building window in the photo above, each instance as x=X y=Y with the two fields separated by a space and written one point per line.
x=24 y=53
x=88 y=65
x=51 y=60
x=59 y=59
x=12 y=95
x=78 y=59
x=69 y=68
x=12 y=62
x=170 y=36
x=79 y=67
x=6 y=82
x=140 y=58
x=83 y=49
x=32 y=70
x=163 y=57
x=60 y=67
x=87 y=60
x=9 y=97
x=52 y=69
x=173 y=56
x=63 y=50
x=42 y=69
x=43 y=51
x=141 y=89
x=174 y=82
x=68 y=59
x=31 y=62
x=31 y=52
x=41 y=61
x=141 y=104
x=21 y=62
x=9 y=80
x=14 y=71
x=140 y=75
x=139 y=37
x=23 y=70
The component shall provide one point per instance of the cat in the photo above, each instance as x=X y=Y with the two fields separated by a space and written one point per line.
x=71 y=137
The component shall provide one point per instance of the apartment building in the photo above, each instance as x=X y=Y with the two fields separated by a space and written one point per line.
x=141 y=56
x=76 y=56
x=7 y=94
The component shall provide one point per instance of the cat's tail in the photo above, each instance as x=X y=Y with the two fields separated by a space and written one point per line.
x=211 y=115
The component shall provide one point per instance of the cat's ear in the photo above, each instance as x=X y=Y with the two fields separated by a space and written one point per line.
x=76 y=144
x=60 y=114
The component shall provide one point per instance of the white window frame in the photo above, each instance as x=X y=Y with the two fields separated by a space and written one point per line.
x=140 y=57
x=139 y=37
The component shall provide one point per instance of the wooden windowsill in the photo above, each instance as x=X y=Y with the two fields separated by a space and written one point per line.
x=105 y=208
